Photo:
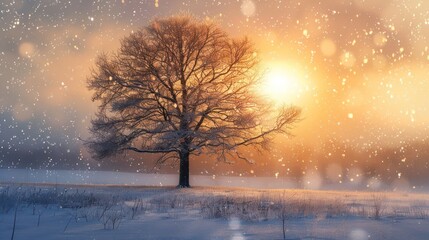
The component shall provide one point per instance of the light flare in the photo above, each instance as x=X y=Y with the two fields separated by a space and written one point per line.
x=282 y=83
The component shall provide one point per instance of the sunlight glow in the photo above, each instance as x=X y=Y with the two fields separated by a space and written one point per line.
x=282 y=83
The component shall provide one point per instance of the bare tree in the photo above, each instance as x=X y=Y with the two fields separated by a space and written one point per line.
x=181 y=87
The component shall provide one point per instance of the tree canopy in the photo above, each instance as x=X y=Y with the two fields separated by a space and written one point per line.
x=181 y=87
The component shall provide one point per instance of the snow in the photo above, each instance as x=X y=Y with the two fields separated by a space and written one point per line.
x=122 y=178
x=169 y=213
x=158 y=227
x=364 y=82
x=364 y=92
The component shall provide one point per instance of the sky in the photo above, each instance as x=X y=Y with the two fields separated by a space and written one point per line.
x=357 y=68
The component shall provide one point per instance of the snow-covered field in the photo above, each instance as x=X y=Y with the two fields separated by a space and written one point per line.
x=135 y=179
x=55 y=210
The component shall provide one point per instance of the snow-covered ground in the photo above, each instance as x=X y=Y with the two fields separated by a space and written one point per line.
x=55 y=210
x=135 y=179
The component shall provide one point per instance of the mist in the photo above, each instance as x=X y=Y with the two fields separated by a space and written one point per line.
x=362 y=86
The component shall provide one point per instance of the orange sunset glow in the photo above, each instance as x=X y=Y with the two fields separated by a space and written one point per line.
x=357 y=69
x=283 y=82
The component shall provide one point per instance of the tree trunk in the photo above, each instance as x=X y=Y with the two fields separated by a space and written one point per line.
x=184 y=170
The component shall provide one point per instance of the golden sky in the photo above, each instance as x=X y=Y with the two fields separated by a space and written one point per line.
x=357 y=68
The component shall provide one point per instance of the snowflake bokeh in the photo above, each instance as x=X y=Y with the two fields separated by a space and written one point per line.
x=362 y=67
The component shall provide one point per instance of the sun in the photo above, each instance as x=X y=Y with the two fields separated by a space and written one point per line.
x=282 y=83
